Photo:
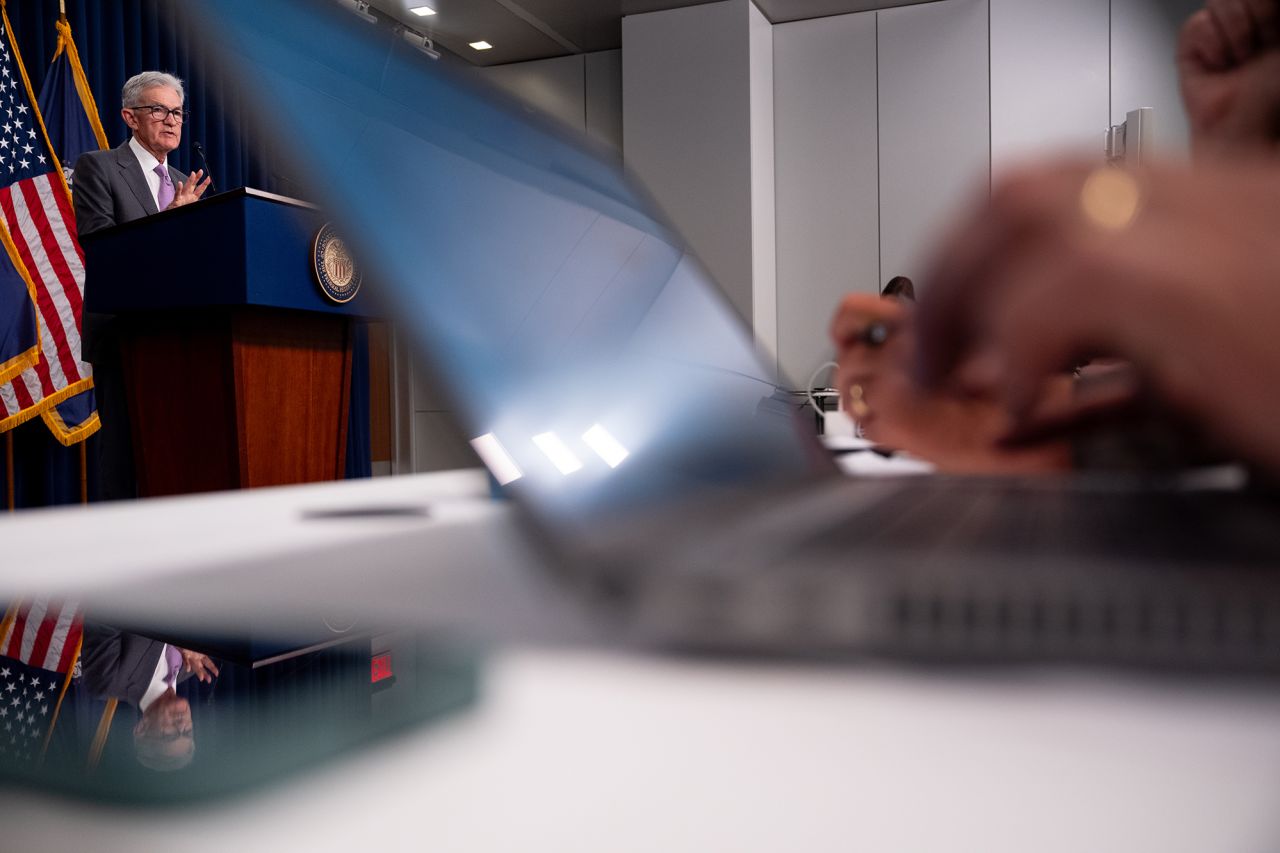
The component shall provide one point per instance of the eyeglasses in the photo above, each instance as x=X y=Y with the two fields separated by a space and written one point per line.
x=160 y=113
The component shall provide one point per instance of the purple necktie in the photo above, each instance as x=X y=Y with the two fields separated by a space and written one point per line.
x=173 y=657
x=165 y=196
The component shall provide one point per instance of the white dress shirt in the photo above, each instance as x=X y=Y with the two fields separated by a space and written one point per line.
x=164 y=677
x=149 y=163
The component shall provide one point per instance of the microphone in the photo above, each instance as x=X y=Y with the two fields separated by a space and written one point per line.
x=213 y=189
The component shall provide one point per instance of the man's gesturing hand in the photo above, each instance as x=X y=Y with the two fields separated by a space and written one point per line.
x=189 y=190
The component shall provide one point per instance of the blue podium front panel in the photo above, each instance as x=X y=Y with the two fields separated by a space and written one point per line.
x=242 y=247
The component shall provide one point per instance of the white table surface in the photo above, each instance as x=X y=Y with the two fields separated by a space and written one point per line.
x=580 y=749
x=126 y=540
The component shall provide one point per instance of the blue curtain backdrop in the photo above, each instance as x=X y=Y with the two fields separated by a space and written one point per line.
x=117 y=39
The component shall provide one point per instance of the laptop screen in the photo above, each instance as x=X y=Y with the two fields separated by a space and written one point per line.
x=591 y=361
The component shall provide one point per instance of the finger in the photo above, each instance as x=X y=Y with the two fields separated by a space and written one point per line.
x=1266 y=20
x=1093 y=404
x=867 y=331
x=867 y=351
x=979 y=375
x=846 y=377
x=857 y=374
x=942 y=324
x=1201 y=46
x=208 y=662
x=855 y=312
x=1079 y=417
x=1036 y=351
x=1021 y=203
x=860 y=377
x=1054 y=321
x=966 y=272
x=1236 y=25
x=1054 y=270
x=845 y=325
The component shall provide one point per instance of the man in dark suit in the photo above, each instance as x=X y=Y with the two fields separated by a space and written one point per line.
x=135 y=179
x=110 y=188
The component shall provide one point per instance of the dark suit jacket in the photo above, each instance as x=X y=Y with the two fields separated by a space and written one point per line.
x=116 y=665
x=109 y=189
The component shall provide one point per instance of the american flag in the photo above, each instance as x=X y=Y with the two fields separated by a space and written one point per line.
x=28 y=697
x=19 y=333
x=35 y=205
x=39 y=646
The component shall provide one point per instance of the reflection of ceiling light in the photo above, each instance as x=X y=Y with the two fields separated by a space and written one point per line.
x=481 y=45
x=361 y=8
x=605 y=445
x=421 y=42
x=560 y=456
x=496 y=459
x=422 y=11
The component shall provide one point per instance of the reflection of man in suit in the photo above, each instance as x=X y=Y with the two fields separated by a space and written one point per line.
x=136 y=180
x=144 y=673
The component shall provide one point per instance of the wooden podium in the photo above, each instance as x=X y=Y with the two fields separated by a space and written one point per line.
x=236 y=366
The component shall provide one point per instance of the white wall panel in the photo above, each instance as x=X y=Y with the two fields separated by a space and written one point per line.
x=438 y=444
x=427 y=436
x=1050 y=77
x=935 y=124
x=604 y=97
x=687 y=130
x=555 y=86
x=1144 y=38
x=764 y=254
x=826 y=174
x=584 y=91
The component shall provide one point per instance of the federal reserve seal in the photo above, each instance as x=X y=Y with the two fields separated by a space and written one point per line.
x=335 y=269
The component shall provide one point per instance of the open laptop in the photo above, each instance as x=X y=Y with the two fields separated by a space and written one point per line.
x=656 y=458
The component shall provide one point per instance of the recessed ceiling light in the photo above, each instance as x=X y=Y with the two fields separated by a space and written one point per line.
x=422 y=11
x=481 y=45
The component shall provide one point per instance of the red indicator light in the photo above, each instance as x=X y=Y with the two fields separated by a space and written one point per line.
x=381 y=668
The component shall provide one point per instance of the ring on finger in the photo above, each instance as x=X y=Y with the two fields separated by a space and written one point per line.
x=1110 y=198
x=857 y=401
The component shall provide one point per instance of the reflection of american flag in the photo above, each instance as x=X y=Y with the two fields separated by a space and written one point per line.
x=43 y=633
x=39 y=645
x=35 y=205
x=28 y=697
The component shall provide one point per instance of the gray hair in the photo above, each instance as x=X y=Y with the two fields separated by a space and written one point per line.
x=131 y=94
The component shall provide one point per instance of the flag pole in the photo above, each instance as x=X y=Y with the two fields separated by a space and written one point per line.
x=8 y=468
x=84 y=473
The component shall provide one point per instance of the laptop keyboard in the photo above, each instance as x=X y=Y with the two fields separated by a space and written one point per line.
x=971 y=570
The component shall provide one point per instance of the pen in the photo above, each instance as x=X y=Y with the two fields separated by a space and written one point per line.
x=875 y=334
